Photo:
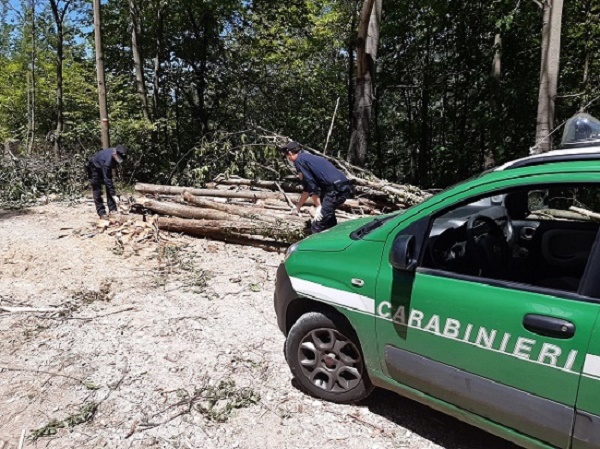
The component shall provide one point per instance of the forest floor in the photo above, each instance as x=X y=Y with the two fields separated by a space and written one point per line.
x=171 y=346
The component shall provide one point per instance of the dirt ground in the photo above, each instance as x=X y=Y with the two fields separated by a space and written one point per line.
x=172 y=346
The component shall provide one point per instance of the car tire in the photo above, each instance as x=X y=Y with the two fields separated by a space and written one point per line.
x=325 y=357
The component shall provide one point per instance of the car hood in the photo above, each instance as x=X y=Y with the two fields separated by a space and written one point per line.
x=334 y=239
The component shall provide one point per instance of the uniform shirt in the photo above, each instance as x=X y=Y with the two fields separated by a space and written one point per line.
x=318 y=174
x=105 y=161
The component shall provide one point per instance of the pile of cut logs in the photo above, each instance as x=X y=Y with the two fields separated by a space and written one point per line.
x=257 y=212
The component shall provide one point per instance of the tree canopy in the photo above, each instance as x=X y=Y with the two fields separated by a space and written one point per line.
x=191 y=83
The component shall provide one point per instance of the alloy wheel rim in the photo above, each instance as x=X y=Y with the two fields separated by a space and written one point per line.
x=330 y=361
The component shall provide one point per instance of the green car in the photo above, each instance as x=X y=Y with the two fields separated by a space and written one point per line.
x=481 y=302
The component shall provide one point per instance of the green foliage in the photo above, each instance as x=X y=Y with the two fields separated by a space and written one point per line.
x=246 y=154
x=24 y=179
x=216 y=69
x=221 y=400
x=86 y=413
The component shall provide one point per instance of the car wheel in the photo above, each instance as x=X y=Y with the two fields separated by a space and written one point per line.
x=326 y=359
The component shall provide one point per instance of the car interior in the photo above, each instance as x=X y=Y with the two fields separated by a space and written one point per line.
x=537 y=236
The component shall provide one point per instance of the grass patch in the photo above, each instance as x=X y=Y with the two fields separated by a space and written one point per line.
x=86 y=413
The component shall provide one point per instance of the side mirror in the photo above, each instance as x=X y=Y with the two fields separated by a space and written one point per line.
x=402 y=256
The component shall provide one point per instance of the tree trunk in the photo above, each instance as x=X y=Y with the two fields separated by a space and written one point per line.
x=158 y=113
x=424 y=155
x=59 y=16
x=252 y=213
x=138 y=59
x=350 y=49
x=497 y=62
x=226 y=233
x=32 y=84
x=551 y=30
x=587 y=54
x=366 y=58
x=104 y=125
x=183 y=211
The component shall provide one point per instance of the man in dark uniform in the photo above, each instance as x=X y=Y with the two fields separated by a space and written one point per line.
x=99 y=170
x=326 y=185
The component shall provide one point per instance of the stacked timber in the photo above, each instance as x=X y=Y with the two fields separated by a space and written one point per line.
x=257 y=212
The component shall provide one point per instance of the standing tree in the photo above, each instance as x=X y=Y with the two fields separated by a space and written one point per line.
x=138 y=59
x=551 y=30
x=59 y=10
x=104 y=129
x=366 y=58
x=31 y=104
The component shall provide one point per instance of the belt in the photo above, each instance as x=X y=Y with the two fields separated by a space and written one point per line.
x=336 y=186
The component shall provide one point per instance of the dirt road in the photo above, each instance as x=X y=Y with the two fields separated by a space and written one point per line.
x=170 y=346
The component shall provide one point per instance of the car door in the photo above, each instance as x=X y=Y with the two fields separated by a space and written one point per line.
x=507 y=351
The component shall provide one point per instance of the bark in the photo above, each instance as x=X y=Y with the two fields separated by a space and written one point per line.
x=551 y=30
x=224 y=229
x=178 y=210
x=200 y=229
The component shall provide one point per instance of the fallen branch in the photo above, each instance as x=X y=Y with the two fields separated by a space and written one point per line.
x=32 y=309
x=103 y=315
x=37 y=371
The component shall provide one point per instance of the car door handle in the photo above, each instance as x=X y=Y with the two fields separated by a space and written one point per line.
x=357 y=282
x=548 y=326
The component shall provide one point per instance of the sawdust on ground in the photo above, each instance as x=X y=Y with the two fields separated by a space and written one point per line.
x=166 y=345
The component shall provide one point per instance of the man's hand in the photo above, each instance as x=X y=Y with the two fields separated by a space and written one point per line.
x=117 y=201
x=295 y=211
x=318 y=214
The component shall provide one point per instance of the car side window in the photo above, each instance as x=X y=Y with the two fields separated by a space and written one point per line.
x=537 y=236
x=580 y=204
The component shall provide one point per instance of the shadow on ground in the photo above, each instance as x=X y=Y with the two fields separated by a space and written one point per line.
x=437 y=427
x=8 y=214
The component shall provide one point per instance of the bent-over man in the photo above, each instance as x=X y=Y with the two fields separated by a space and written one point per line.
x=99 y=170
x=322 y=181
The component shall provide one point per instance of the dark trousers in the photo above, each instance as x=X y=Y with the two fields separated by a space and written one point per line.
x=330 y=201
x=97 y=181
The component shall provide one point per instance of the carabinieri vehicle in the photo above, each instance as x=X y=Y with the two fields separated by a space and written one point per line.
x=481 y=302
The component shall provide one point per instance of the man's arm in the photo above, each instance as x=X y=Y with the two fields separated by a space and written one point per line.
x=108 y=181
x=302 y=200
x=308 y=181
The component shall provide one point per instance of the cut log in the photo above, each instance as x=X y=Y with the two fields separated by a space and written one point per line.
x=558 y=214
x=240 y=230
x=247 y=214
x=247 y=194
x=179 y=210
x=287 y=185
x=253 y=213
x=588 y=213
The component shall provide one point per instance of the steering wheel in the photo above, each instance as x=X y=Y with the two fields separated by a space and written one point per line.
x=488 y=245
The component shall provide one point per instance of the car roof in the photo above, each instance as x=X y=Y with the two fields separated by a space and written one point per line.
x=571 y=155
